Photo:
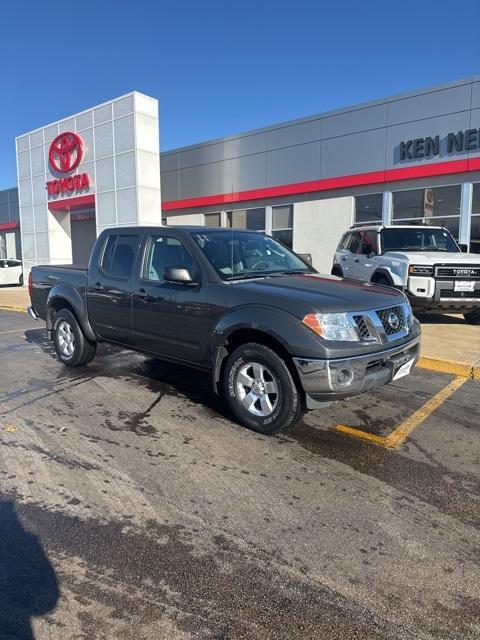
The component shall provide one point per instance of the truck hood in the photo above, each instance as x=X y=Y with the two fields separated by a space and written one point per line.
x=306 y=293
x=435 y=257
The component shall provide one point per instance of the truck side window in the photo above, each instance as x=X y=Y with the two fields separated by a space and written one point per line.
x=355 y=244
x=370 y=238
x=164 y=252
x=345 y=241
x=119 y=255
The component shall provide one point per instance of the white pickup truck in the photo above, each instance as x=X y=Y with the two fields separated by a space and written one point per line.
x=422 y=260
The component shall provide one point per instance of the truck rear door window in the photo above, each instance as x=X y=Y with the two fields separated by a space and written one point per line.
x=119 y=255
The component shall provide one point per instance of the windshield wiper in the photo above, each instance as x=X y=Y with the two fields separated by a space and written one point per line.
x=288 y=272
x=268 y=274
x=247 y=276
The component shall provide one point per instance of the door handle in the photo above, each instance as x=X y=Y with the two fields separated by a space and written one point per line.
x=141 y=293
x=357 y=260
x=98 y=286
x=344 y=258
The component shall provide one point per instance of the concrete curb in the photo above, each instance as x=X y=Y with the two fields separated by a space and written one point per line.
x=11 y=307
x=448 y=366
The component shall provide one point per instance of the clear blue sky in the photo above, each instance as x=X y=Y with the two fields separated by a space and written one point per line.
x=219 y=67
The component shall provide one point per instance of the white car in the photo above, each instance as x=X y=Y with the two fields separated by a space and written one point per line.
x=422 y=260
x=11 y=272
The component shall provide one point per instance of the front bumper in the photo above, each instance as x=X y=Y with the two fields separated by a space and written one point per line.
x=431 y=294
x=319 y=377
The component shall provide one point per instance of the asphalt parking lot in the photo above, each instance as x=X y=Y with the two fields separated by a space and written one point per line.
x=132 y=507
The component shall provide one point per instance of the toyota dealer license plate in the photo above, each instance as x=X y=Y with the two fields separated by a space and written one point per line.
x=404 y=369
x=463 y=285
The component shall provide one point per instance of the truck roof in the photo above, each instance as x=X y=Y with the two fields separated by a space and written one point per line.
x=186 y=228
x=379 y=227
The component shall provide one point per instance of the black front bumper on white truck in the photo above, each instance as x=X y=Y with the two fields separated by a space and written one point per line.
x=447 y=288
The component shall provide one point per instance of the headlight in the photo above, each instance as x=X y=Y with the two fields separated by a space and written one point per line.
x=409 y=313
x=420 y=270
x=332 y=326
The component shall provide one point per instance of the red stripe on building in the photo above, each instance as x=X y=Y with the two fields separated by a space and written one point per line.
x=71 y=203
x=6 y=226
x=327 y=184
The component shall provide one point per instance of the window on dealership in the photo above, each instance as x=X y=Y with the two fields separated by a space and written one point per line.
x=251 y=219
x=282 y=224
x=368 y=208
x=213 y=220
x=438 y=206
x=475 y=221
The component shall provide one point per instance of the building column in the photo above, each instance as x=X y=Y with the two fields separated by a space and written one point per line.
x=11 y=245
x=465 y=213
x=387 y=207
x=268 y=220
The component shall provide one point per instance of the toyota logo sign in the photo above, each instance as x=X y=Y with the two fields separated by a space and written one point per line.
x=66 y=152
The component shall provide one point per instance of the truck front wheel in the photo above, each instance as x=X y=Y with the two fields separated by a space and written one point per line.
x=472 y=317
x=260 y=390
x=72 y=348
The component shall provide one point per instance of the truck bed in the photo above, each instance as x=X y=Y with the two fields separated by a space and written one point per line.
x=44 y=277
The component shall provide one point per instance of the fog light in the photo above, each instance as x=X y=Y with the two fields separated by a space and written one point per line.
x=344 y=377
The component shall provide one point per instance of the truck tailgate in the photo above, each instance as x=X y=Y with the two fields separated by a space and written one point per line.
x=44 y=277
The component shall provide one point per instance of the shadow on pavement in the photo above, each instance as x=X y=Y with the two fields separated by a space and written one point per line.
x=437 y=318
x=161 y=377
x=28 y=584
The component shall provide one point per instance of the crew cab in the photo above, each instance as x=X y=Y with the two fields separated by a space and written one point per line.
x=423 y=261
x=276 y=337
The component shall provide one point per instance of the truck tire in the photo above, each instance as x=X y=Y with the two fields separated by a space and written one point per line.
x=472 y=317
x=260 y=390
x=382 y=280
x=337 y=271
x=72 y=348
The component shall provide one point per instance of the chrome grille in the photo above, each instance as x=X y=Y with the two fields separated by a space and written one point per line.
x=383 y=325
x=459 y=272
x=362 y=328
x=387 y=318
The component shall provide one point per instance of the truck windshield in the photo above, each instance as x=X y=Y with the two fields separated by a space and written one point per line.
x=418 y=239
x=238 y=255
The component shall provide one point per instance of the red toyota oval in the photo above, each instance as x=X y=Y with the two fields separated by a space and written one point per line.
x=66 y=152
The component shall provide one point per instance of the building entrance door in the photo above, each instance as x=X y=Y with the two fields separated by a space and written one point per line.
x=83 y=233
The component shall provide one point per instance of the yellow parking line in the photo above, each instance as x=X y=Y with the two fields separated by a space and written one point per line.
x=446 y=366
x=395 y=439
x=12 y=307
x=363 y=435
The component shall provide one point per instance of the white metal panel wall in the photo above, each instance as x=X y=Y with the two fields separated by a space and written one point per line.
x=122 y=158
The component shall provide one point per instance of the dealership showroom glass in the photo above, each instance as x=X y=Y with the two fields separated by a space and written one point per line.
x=409 y=158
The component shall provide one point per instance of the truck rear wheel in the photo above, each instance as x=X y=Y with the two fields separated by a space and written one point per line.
x=260 y=390
x=472 y=317
x=72 y=348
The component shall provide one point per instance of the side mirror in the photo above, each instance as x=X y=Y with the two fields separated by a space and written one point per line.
x=178 y=274
x=463 y=248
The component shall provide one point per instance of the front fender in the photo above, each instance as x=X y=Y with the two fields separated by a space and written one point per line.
x=396 y=267
x=282 y=326
x=396 y=274
x=71 y=295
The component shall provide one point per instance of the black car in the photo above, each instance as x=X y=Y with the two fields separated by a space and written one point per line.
x=277 y=337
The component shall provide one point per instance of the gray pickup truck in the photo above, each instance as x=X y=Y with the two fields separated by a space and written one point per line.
x=276 y=337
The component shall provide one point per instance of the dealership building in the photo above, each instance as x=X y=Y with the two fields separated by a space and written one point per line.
x=409 y=158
